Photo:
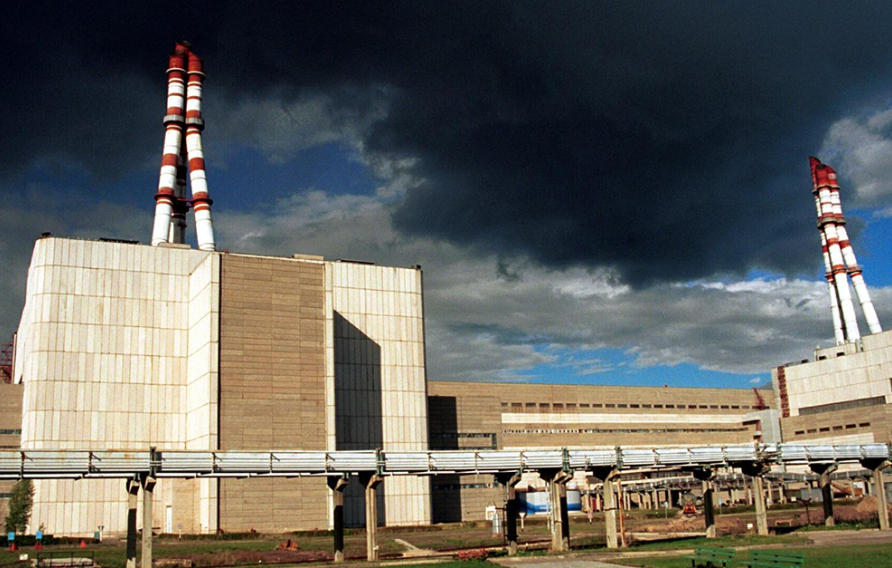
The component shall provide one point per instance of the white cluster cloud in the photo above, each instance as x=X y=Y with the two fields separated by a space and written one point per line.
x=860 y=148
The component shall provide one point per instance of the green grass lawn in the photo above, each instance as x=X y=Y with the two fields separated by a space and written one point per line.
x=815 y=557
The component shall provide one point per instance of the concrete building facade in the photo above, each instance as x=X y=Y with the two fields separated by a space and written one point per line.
x=842 y=396
x=126 y=346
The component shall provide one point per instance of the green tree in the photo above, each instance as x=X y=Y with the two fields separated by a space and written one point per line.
x=20 y=503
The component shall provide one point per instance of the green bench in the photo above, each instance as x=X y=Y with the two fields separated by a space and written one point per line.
x=773 y=559
x=714 y=557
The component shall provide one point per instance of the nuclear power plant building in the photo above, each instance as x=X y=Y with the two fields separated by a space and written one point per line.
x=129 y=346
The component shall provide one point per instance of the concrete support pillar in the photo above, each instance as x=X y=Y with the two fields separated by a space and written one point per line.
x=707 y=476
x=782 y=490
x=598 y=505
x=769 y=492
x=337 y=486
x=610 y=478
x=824 y=470
x=148 y=493
x=655 y=499
x=709 y=509
x=557 y=487
x=748 y=490
x=132 y=493
x=880 y=490
x=761 y=512
x=510 y=481
x=627 y=499
x=370 y=483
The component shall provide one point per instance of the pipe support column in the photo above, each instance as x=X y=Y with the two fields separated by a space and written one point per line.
x=148 y=493
x=370 y=483
x=337 y=486
x=132 y=493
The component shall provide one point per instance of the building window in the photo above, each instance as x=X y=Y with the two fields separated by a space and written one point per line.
x=864 y=425
x=812 y=430
x=610 y=405
x=670 y=406
x=702 y=406
x=504 y=405
x=621 y=406
x=597 y=405
x=557 y=407
x=692 y=406
x=571 y=407
x=713 y=406
x=800 y=432
x=735 y=407
x=531 y=407
x=658 y=406
x=850 y=426
x=634 y=406
x=837 y=427
x=583 y=405
x=725 y=407
x=517 y=406
x=825 y=429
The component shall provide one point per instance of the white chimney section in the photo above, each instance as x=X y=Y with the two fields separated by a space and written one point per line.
x=174 y=122
x=839 y=258
x=848 y=254
x=838 y=329
x=183 y=118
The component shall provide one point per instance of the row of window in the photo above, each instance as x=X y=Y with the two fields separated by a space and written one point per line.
x=619 y=430
x=4 y=432
x=833 y=428
x=583 y=406
x=456 y=486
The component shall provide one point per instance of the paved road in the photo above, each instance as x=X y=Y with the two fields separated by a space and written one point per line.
x=553 y=563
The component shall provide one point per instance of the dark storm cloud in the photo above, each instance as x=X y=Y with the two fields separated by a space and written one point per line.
x=668 y=141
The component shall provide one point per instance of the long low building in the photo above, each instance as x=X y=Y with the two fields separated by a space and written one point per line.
x=524 y=416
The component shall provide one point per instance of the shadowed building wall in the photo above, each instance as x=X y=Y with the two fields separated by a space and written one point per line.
x=10 y=433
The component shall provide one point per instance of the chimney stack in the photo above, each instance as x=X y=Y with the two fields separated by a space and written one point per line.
x=183 y=120
x=839 y=258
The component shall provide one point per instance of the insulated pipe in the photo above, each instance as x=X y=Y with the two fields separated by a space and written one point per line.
x=174 y=122
x=828 y=222
x=848 y=254
x=201 y=202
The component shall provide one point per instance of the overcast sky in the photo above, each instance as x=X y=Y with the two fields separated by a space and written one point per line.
x=613 y=193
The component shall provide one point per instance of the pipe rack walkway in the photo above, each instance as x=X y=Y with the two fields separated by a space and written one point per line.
x=142 y=468
x=62 y=464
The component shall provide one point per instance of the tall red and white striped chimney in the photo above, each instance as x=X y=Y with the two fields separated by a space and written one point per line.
x=183 y=119
x=839 y=257
x=174 y=125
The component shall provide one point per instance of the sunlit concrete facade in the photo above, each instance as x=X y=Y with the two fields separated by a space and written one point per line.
x=129 y=346
x=843 y=395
